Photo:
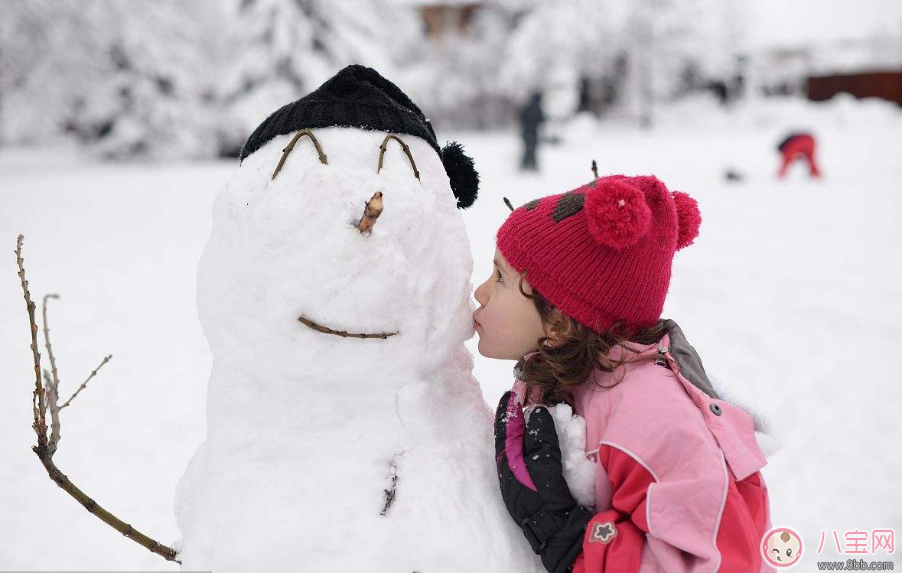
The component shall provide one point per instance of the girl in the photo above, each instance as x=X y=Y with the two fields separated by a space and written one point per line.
x=579 y=285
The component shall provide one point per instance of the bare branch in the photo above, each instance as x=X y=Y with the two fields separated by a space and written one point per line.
x=44 y=449
x=53 y=404
x=85 y=383
x=47 y=339
x=94 y=508
x=53 y=382
x=38 y=406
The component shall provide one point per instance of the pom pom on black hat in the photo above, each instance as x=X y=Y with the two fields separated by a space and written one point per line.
x=461 y=173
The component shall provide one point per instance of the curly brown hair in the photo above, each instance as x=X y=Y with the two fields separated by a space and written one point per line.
x=567 y=359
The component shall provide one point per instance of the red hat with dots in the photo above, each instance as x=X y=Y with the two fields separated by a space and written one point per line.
x=602 y=253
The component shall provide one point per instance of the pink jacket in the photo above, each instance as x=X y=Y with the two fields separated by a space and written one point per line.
x=677 y=484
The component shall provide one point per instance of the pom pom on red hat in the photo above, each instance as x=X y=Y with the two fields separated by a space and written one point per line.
x=616 y=212
x=689 y=218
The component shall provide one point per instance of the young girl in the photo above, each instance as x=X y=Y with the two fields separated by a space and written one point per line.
x=579 y=284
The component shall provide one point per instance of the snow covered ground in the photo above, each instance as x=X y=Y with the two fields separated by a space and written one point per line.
x=791 y=294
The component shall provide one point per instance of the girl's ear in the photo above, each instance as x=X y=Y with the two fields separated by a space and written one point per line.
x=556 y=328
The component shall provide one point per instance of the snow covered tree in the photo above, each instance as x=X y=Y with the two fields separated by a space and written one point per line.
x=125 y=78
x=153 y=100
x=636 y=51
x=279 y=50
x=47 y=61
x=668 y=37
x=558 y=42
x=455 y=74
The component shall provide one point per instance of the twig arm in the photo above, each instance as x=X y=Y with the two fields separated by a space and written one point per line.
x=85 y=383
x=45 y=449
x=39 y=408
x=105 y=516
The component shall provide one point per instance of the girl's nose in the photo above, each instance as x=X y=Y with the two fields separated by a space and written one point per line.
x=479 y=294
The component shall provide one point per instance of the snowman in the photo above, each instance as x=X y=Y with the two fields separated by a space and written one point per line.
x=345 y=430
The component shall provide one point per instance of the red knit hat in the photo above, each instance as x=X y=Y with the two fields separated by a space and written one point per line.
x=602 y=253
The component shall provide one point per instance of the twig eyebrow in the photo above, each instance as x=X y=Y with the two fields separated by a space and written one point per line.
x=288 y=149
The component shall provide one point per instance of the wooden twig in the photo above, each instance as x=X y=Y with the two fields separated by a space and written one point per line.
x=288 y=148
x=52 y=402
x=343 y=333
x=52 y=382
x=85 y=383
x=508 y=203
x=45 y=449
x=47 y=338
x=38 y=406
x=404 y=147
x=371 y=212
x=167 y=553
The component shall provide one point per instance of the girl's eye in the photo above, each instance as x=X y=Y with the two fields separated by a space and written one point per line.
x=788 y=551
x=498 y=274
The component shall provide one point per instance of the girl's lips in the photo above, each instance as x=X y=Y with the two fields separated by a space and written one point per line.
x=476 y=324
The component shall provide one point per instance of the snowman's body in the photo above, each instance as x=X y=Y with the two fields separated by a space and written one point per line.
x=307 y=430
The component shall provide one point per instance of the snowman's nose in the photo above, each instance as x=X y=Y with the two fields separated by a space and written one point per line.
x=371 y=212
x=373 y=207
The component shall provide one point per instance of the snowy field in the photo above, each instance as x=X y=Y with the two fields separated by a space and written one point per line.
x=792 y=294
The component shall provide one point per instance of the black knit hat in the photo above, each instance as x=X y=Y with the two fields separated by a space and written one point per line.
x=358 y=96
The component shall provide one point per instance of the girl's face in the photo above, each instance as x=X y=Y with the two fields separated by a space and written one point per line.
x=508 y=324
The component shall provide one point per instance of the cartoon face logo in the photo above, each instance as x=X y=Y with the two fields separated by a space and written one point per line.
x=781 y=547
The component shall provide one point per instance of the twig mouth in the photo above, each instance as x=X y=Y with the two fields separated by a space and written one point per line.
x=343 y=333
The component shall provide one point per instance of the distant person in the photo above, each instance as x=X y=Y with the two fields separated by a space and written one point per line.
x=798 y=146
x=531 y=117
x=731 y=174
x=719 y=89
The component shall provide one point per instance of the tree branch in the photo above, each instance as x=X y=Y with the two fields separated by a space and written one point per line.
x=85 y=383
x=52 y=382
x=38 y=406
x=44 y=449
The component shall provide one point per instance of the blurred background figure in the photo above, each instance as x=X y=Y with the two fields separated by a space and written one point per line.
x=531 y=118
x=798 y=146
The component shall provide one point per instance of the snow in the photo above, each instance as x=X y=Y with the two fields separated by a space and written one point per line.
x=578 y=470
x=791 y=294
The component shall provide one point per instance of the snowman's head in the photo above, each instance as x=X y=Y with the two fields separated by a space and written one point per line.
x=305 y=264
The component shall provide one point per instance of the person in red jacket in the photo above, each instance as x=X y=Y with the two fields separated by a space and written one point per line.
x=577 y=294
x=798 y=146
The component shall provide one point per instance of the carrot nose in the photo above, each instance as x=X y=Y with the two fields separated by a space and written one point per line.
x=371 y=212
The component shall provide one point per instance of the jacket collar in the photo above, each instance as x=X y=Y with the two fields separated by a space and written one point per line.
x=732 y=427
